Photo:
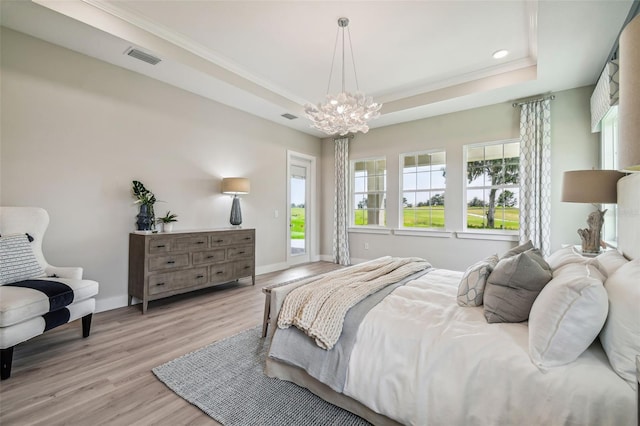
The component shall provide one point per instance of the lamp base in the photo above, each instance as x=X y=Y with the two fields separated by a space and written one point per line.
x=591 y=236
x=236 y=214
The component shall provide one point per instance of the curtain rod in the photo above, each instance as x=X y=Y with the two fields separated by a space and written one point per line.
x=517 y=104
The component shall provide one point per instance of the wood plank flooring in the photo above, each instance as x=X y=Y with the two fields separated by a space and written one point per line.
x=60 y=378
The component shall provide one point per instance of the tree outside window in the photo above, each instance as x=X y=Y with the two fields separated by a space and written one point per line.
x=493 y=176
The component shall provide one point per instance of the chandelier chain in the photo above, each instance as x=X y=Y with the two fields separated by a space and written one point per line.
x=353 y=61
x=333 y=60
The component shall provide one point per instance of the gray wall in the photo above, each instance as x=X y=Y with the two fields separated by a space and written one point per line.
x=76 y=131
x=573 y=147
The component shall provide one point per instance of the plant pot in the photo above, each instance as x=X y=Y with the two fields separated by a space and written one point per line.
x=167 y=227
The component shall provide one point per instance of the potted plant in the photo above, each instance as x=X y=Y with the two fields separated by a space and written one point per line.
x=146 y=199
x=167 y=221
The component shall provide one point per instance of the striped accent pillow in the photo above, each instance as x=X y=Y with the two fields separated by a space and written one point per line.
x=17 y=261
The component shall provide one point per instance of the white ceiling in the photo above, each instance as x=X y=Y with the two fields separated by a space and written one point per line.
x=419 y=58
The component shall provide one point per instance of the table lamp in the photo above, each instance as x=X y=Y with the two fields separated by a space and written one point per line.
x=235 y=186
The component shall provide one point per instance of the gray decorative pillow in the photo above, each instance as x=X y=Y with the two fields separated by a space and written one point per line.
x=471 y=288
x=18 y=261
x=512 y=288
x=519 y=249
x=536 y=255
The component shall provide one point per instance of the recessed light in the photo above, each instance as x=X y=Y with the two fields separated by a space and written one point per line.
x=500 y=54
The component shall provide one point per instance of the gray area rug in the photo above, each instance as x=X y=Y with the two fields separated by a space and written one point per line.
x=226 y=381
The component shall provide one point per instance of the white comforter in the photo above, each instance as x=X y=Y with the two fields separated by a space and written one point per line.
x=422 y=360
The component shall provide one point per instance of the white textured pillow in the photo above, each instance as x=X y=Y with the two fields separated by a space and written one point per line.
x=609 y=262
x=471 y=287
x=620 y=336
x=567 y=315
x=18 y=261
x=564 y=256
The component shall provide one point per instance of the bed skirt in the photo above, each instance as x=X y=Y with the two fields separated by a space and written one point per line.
x=282 y=371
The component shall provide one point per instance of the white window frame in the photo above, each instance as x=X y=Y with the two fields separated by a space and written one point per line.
x=430 y=189
x=483 y=233
x=352 y=194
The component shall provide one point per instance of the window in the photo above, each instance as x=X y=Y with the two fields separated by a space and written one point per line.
x=423 y=189
x=492 y=178
x=369 y=191
x=609 y=161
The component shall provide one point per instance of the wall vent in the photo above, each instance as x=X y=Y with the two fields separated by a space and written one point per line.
x=145 y=57
x=289 y=116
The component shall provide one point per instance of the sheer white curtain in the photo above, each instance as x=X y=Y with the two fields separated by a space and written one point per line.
x=341 y=205
x=535 y=174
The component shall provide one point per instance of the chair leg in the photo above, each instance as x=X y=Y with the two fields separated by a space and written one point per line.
x=6 y=358
x=86 y=325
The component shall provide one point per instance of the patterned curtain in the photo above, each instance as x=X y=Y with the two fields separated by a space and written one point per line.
x=535 y=174
x=341 y=205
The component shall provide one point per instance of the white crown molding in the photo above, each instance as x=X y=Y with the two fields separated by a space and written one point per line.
x=189 y=45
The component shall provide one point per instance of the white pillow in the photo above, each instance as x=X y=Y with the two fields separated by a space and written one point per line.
x=18 y=261
x=471 y=287
x=620 y=336
x=608 y=262
x=563 y=257
x=567 y=315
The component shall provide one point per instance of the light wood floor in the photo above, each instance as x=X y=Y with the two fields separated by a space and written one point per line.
x=106 y=379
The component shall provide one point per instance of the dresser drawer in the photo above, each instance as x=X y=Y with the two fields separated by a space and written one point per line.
x=243 y=268
x=221 y=273
x=159 y=245
x=209 y=256
x=220 y=239
x=244 y=252
x=190 y=243
x=243 y=237
x=170 y=281
x=158 y=263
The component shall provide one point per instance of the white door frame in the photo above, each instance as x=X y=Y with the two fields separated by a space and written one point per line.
x=311 y=217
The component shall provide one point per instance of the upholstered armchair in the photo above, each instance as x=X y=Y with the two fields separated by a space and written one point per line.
x=34 y=295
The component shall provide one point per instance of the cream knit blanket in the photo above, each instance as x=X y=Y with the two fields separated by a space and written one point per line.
x=319 y=308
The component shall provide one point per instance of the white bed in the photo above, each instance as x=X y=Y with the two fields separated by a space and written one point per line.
x=420 y=359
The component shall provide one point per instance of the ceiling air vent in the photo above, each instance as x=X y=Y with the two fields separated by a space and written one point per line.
x=145 y=57
x=289 y=116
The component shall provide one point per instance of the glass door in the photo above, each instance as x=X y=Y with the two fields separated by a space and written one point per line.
x=299 y=212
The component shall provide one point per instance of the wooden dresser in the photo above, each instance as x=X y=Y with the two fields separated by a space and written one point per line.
x=166 y=264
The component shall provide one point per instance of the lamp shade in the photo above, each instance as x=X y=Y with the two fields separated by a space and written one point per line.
x=235 y=185
x=590 y=186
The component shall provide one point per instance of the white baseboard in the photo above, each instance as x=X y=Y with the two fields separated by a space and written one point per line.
x=271 y=268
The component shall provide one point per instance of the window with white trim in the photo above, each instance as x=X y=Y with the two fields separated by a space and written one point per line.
x=423 y=184
x=369 y=192
x=492 y=186
x=609 y=161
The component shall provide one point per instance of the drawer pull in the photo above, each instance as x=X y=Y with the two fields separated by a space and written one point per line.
x=161 y=246
x=160 y=284
x=219 y=241
x=241 y=252
x=210 y=257
x=171 y=261
x=247 y=238
x=219 y=272
x=247 y=267
x=199 y=276
x=200 y=242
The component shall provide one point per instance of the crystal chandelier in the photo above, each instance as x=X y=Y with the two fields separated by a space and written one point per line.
x=345 y=112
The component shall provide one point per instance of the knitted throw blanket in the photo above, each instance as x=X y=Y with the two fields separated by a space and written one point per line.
x=319 y=308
